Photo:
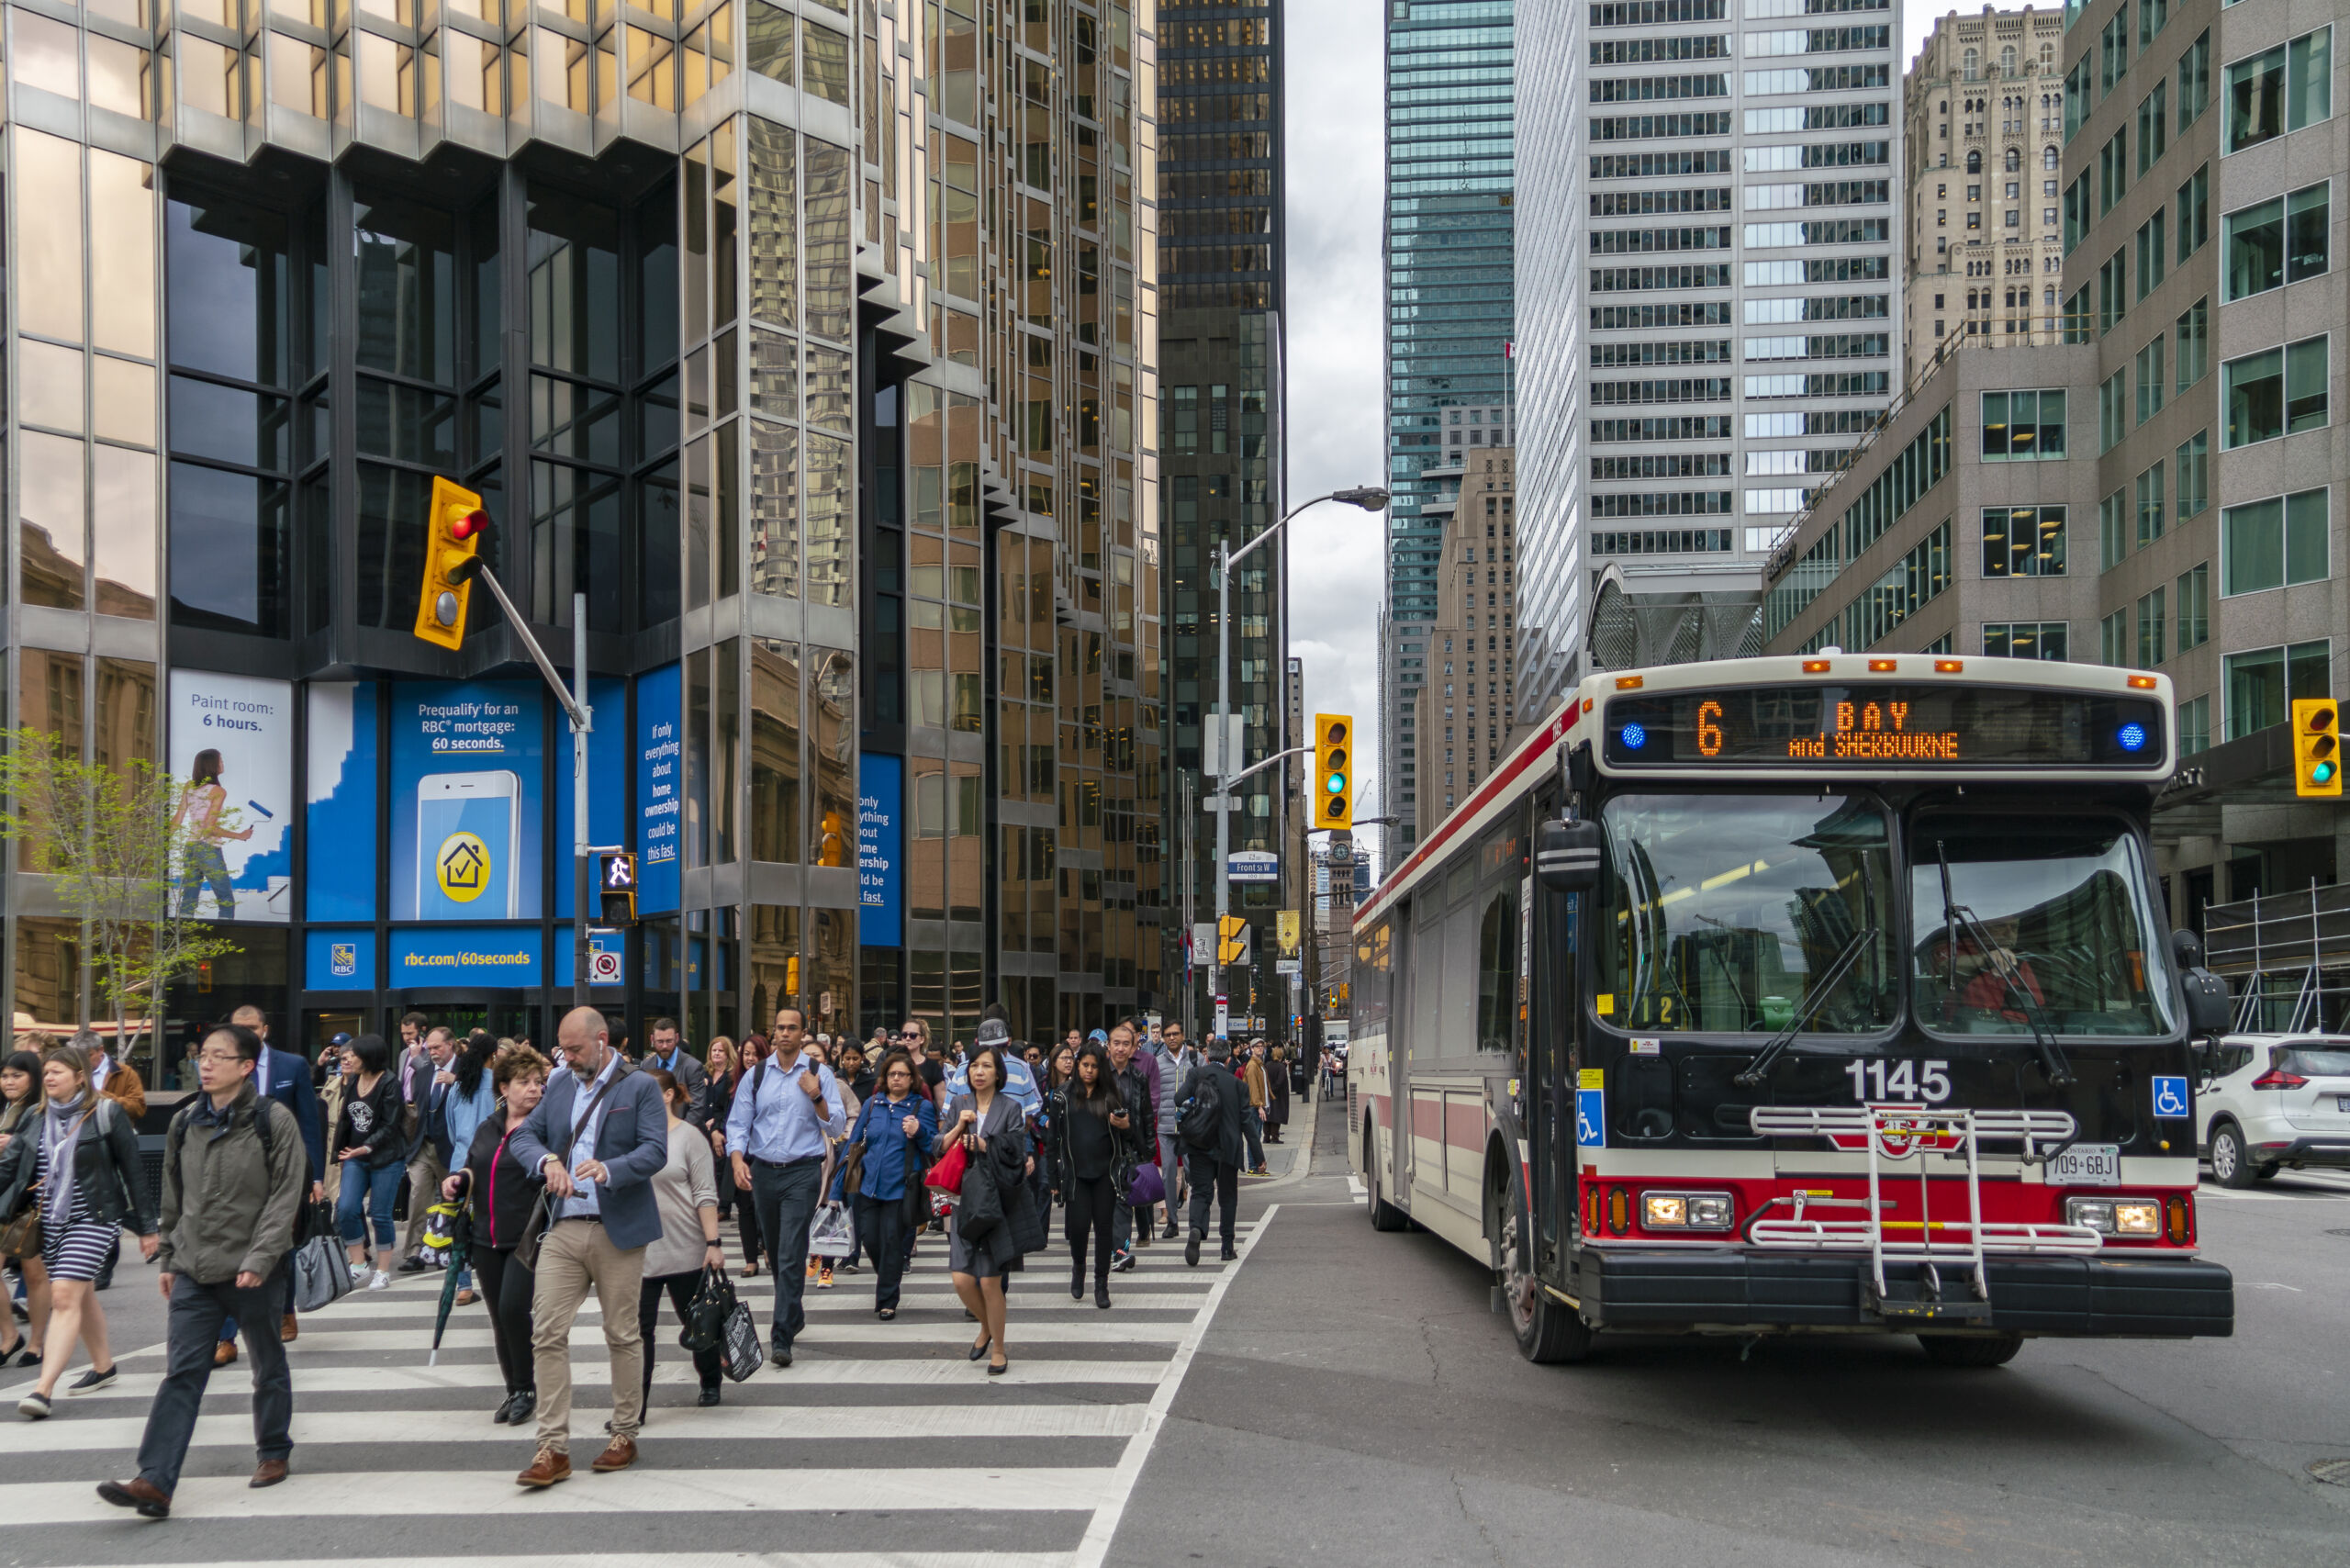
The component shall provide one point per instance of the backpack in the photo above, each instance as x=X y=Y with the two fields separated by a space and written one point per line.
x=1201 y=1122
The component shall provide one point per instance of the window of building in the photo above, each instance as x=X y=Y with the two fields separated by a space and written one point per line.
x=2113 y=639
x=2195 y=726
x=2193 y=462
x=2280 y=90
x=2113 y=291
x=2028 y=424
x=2112 y=171
x=2112 y=409
x=2153 y=381
x=2193 y=600
x=2113 y=530
x=2263 y=684
x=2150 y=628
x=2278 y=241
x=2024 y=639
x=2278 y=391
x=2269 y=543
x=2195 y=80
x=2150 y=506
x=2023 y=542
x=2154 y=253
x=2194 y=212
x=2193 y=331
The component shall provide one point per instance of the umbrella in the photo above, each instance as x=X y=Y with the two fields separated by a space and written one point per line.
x=451 y=1228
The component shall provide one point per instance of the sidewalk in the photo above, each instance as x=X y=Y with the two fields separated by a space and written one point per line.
x=1296 y=1149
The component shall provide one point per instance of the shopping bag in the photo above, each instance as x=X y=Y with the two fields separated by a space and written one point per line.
x=740 y=1353
x=1147 y=1186
x=832 y=1233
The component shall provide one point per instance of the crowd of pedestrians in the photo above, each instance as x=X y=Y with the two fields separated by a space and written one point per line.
x=586 y=1170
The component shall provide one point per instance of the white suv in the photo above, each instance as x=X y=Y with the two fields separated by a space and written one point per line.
x=2269 y=1102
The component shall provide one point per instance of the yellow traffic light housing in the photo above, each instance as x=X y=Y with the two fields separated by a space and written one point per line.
x=1232 y=943
x=2317 y=747
x=616 y=886
x=1334 y=771
x=456 y=528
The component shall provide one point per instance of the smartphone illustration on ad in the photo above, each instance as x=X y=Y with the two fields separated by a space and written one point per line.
x=468 y=835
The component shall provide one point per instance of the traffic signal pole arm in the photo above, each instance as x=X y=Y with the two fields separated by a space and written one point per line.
x=577 y=712
x=1260 y=767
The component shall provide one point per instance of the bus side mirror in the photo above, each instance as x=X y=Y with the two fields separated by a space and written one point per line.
x=2209 y=1010
x=1566 y=857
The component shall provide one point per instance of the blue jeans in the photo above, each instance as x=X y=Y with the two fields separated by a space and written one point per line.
x=365 y=1188
x=785 y=1196
x=193 y=1328
x=1252 y=1127
x=202 y=862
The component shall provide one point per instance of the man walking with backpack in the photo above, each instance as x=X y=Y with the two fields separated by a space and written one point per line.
x=1209 y=1124
x=284 y=1077
x=234 y=1172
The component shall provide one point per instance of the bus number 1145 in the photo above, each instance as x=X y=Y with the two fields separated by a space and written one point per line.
x=1929 y=1080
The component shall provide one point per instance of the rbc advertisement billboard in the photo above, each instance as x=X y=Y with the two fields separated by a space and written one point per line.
x=880 y=835
x=468 y=812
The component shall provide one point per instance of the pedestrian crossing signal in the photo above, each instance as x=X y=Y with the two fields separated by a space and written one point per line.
x=2317 y=747
x=455 y=529
x=1334 y=771
x=616 y=886
x=1232 y=944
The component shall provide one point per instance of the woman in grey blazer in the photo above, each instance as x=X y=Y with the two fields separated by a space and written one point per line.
x=995 y=1220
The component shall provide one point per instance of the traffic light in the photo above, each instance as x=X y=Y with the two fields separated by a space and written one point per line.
x=455 y=529
x=1232 y=947
x=1334 y=771
x=616 y=886
x=2317 y=747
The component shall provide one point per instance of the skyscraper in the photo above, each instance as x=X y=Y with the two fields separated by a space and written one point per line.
x=1725 y=193
x=1220 y=266
x=1450 y=184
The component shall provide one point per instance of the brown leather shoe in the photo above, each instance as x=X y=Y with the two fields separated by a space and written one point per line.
x=140 y=1494
x=619 y=1455
x=288 y=1330
x=546 y=1469
x=268 y=1473
x=224 y=1352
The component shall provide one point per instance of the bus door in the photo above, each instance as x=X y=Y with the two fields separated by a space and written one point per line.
x=1415 y=1000
x=1553 y=1059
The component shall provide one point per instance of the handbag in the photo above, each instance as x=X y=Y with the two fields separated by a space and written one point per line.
x=832 y=1233
x=535 y=1229
x=1147 y=1186
x=321 y=1276
x=947 y=1176
x=20 y=1238
x=706 y=1314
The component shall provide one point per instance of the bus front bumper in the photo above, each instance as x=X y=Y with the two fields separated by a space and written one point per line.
x=2141 y=1295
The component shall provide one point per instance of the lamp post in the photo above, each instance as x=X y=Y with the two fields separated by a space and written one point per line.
x=1370 y=497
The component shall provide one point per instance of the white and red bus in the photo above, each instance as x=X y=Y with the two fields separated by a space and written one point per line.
x=1824 y=993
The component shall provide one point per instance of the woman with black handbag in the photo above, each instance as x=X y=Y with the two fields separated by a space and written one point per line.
x=499 y=1191
x=22 y=1100
x=895 y=1124
x=685 y=1193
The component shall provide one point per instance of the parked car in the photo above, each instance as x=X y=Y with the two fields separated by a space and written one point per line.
x=2274 y=1101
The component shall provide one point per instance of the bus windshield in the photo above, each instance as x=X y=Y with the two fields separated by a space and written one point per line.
x=1720 y=911
x=2044 y=913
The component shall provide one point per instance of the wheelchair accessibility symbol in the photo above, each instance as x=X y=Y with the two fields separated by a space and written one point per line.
x=1590 y=1119
x=2170 y=1096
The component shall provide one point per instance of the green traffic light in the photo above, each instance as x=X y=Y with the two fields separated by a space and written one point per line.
x=2322 y=773
x=1337 y=784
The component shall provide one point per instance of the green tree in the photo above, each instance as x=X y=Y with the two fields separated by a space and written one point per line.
x=109 y=839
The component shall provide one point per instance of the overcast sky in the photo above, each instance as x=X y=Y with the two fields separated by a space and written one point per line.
x=1336 y=376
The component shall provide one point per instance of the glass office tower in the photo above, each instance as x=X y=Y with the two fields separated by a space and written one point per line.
x=805 y=344
x=1450 y=184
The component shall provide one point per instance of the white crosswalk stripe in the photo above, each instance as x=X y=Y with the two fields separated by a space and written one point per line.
x=811 y=1462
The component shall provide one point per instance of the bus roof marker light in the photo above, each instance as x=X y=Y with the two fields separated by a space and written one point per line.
x=1949 y=666
x=2141 y=683
x=1882 y=666
x=1630 y=682
x=2133 y=736
x=1815 y=666
x=1634 y=737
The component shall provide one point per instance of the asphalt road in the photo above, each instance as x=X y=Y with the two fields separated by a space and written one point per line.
x=1356 y=1400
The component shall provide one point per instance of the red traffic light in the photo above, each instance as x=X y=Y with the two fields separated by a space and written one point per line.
x=466 y=527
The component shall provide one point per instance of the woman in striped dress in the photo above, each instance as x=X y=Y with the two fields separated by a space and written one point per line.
x=81 y=1166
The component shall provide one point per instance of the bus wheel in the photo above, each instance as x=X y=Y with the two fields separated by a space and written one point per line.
x=1548 y=1332
x=1385 y=1215
x=1965 y=1350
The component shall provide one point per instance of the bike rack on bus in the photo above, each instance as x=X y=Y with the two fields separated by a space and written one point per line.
x=1896 y=1133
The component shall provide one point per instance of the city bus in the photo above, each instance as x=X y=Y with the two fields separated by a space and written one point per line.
x=1830 y=994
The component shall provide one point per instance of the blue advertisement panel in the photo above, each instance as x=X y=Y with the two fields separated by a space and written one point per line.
x=339 y=878
x=339 y=960
x=607 y=778
x=881 y=835
x=465 y=955
x=660 y=783
x=468 y=813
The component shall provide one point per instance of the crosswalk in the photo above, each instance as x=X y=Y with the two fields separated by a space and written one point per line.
x=883 y=1446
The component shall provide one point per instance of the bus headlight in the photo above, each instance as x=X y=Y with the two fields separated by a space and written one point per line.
x=1688 y=1210
x=2116 y=1217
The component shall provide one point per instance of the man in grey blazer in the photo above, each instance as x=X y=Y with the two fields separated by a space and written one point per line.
x=669 y=1054
x=599 y=1138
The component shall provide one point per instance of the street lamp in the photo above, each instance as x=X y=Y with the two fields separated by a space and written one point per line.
x=1370 y=497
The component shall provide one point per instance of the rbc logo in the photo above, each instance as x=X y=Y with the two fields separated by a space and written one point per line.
x=343 y=960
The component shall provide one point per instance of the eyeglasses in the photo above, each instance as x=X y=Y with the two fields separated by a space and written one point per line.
x=219 y=1058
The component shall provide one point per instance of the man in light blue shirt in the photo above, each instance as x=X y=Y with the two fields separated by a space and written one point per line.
x=779 y=1129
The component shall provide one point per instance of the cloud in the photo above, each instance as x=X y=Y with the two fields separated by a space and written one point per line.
x=1336 y=167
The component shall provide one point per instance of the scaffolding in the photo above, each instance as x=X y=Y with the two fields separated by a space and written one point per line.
x=2286 y=958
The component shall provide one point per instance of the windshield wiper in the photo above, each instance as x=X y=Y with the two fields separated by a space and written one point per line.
x=1813 y=998
x=2052 y=1057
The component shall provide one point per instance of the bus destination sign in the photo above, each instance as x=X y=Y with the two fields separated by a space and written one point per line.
x=1883 y=723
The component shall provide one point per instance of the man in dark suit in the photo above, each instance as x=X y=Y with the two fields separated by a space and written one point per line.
x=284 y=1077
x=669 y=1054
x=599 y=1138
x=426 y=1088
x=1215 y=1168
